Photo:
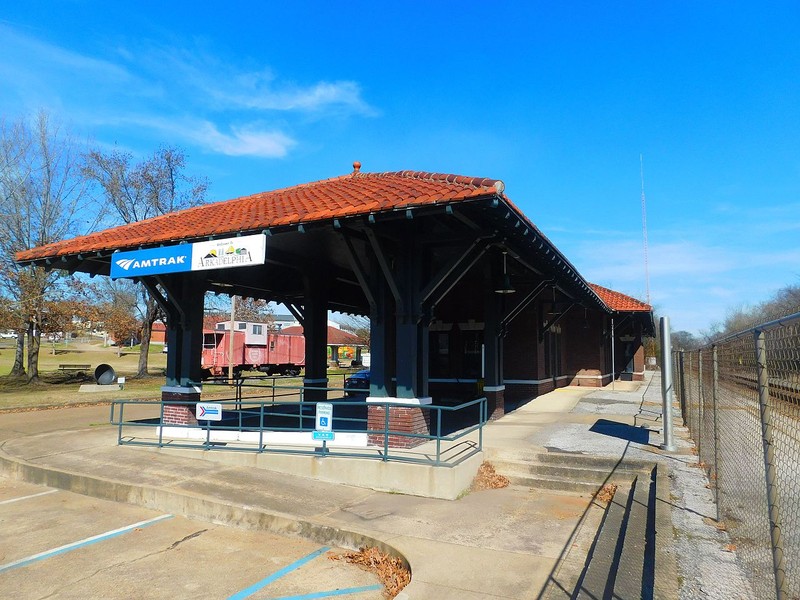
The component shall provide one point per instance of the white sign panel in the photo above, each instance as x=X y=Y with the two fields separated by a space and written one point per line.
x=324 y=416
x=230 y=252
x=208 y=411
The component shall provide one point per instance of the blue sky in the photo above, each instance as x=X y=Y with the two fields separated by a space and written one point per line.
x=557 y=99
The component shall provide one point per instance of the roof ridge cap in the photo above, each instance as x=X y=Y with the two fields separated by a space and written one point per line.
x=475 y=182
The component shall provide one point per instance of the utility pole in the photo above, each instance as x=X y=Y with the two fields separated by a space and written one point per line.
x=644 y=231
x=230 y=340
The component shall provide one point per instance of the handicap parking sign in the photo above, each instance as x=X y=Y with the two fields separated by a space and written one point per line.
x=324 y=416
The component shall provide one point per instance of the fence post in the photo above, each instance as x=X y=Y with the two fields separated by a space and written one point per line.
x=700 y=428
x=714 y=391
x=689 y=403
x=684 y=404
x=667 y=387
x=778 y=566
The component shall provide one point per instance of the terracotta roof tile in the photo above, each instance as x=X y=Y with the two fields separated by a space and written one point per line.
x=336 y=336
x=353 y=194
x=620 y=302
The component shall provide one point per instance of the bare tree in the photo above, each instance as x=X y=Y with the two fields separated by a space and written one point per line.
x=254 y=311
x=43 y=199
x=684 y=340
x=358 y=326
x=155 y=186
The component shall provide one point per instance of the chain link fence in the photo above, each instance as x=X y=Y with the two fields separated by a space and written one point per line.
x=740 y=399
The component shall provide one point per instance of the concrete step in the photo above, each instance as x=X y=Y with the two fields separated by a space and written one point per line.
x=552 y=476
x=563 y=471
x=597 y=580
x=570 y=459
x=621 y=562
x=636 y=571
x=524 y=467
x=561 y=484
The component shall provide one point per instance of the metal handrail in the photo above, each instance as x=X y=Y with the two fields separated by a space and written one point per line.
x=264 y=410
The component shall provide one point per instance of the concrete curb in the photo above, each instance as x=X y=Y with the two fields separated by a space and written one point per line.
x=194 y=506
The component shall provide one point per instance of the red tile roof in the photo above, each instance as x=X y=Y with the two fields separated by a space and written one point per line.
x=620 y=302
x=353 y=194
x=336 y=337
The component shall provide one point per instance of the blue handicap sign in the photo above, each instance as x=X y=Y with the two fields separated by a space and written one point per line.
x=323 y=421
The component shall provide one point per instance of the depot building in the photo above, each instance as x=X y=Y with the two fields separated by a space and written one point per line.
x=466 y=296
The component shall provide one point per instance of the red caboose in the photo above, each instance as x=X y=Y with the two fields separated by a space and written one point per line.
x=254 y=348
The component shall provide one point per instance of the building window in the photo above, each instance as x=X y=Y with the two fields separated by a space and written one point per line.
x=473 y=347
x=440 y=354
x=256 y=329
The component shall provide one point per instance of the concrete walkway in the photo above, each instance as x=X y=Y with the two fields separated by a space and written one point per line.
x=517 y=542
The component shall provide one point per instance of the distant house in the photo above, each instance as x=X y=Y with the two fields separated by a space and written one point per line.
x=159 y=333
x=344 y=348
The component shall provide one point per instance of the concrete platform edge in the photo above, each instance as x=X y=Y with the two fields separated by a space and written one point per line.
x=198 y=507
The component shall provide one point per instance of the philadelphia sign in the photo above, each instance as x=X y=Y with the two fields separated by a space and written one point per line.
x=200 y=256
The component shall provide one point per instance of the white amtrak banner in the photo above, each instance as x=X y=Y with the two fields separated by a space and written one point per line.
x=231 y=252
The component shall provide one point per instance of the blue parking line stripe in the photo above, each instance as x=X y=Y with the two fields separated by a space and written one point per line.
x=80 y=544
x=331 y=593
x=249 y=591
x=28 y=497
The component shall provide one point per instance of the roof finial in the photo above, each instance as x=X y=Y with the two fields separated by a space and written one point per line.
x=356 y=167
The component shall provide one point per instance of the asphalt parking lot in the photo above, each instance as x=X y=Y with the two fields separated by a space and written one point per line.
x=57 y=544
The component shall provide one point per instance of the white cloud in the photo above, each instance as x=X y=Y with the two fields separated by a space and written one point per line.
x=184 y=94
x=244 y=141
x=28 y=55
x=224 y=87
x=342 y=95
x=695 y=281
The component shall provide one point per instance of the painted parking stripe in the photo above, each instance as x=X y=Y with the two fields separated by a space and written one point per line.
x=331 y=593
x=249 y=591
x=21 y=498
x=80 y=544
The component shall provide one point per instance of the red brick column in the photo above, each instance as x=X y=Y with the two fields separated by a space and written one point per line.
x=402 y=419
x=183 y=411
x=588 y=378
x=495 y=401
x=638 y=362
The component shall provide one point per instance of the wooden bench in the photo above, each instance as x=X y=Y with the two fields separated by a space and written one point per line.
x=74 y=367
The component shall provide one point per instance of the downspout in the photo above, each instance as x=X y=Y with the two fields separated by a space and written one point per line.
x=613 y=359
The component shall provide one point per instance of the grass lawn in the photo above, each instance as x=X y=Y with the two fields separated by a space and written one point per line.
x=62 y=388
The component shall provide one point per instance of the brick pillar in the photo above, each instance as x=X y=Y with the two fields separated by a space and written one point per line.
x=182 y=412
x=495 y=401
x=638 y=363
x=402 y=419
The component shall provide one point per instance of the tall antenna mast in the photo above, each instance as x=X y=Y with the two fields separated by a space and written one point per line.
x=644 y=231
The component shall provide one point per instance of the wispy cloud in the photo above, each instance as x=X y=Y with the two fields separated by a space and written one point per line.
x=244 y=141
x=184 y=91
x=700 y=280
x=28 y=54
x=252 y=139
x=253 y=92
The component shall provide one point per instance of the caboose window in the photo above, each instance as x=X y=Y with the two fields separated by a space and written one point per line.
x=256 y=329
x=241 y=325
